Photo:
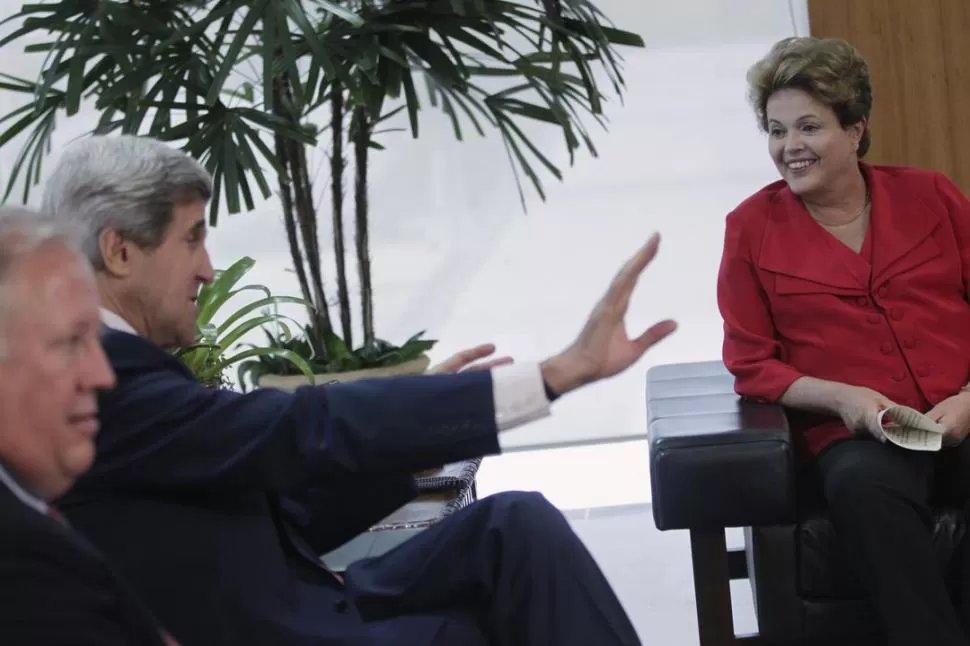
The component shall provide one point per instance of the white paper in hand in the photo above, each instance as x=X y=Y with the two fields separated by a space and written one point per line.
x=910 y=429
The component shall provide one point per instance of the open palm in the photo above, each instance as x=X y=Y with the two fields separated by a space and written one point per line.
x=603 y=347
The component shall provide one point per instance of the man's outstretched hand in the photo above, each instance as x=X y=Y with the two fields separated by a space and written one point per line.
x=466 y=360
x=603 y=348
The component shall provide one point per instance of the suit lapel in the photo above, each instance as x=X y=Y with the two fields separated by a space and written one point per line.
x=902 y=228
x=796 y=246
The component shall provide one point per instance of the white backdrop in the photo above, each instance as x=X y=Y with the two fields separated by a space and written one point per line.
x=453 y=252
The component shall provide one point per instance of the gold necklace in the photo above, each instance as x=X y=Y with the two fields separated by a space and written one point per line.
x=862 y=211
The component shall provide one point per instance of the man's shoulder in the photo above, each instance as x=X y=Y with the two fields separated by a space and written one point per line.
x=118 y=342
x=15 y=517
x=133 y=354
x=29 y=537
x=56 y=586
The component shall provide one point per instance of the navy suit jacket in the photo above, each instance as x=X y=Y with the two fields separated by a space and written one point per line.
x=216 y=505
x=56 y=589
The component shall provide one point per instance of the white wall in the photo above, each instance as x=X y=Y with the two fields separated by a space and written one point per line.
x=799 y=13
x=454 y=253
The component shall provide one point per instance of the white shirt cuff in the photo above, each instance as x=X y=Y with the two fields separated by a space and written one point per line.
x=519 y=394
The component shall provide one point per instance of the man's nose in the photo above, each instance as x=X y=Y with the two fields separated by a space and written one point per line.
x=206 y=271
x=98 y=374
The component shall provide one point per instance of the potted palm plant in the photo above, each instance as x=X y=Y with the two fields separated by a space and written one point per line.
x=326 y=73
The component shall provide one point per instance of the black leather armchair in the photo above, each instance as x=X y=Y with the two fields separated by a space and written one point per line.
x=717 y=461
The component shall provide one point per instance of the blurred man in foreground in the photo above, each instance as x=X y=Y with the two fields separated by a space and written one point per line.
x=54 y=587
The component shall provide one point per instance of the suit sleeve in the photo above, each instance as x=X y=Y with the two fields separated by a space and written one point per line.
x=325 y=520
x=959 y=208
x=48 y=601
x=161 y=429
x=751 y=350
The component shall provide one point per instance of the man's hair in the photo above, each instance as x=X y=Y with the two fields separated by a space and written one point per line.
x=126 y=183
x=22 y=231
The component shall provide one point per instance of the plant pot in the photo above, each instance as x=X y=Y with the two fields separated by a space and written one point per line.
x=292 y=382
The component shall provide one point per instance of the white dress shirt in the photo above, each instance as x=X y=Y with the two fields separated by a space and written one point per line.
x=25 y=496
x=115 y=322
x=518 y=393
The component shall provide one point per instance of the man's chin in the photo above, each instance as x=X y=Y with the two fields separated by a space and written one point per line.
x=185 y=340
x=179 y=339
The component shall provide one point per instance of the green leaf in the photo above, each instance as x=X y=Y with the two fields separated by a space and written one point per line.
x=337 y=350
x=339 y=11
x=230 y=60
x=411 y=101
x=612 y=35
x=249 y=308
x=214 y=295
x=248 y=366
x=244 y=327
x=530 y=110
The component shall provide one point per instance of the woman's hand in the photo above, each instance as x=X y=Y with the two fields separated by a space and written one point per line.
x=953 y=413
x=859 y=409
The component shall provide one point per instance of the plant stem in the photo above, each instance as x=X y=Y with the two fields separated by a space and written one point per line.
x=337 y=165
x=289 y=222
x=361 y=132
x=289 y=219
x=299 y=214
x=307 y=220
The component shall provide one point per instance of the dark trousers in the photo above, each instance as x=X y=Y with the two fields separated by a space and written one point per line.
x=508 y=569
x=878 y=497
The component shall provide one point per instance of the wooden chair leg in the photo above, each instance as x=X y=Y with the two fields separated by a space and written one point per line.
x=713 y=572
x=712 y=587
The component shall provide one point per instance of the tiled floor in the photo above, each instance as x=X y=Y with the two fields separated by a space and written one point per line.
x=651 y=573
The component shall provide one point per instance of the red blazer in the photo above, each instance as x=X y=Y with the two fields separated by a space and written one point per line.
x=895 y=317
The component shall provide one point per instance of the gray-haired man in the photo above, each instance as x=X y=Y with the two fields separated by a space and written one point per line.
x=54 y=587
x=217 y=505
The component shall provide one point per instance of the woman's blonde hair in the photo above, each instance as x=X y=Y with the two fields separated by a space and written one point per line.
x=829 y=69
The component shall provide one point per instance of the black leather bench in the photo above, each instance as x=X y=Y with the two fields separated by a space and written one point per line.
x=717 y=461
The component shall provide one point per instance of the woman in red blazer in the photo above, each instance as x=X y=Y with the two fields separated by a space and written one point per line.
x=844 y=288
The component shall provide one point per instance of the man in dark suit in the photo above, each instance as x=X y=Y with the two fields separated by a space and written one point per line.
x=217 y=504
x=55 y=589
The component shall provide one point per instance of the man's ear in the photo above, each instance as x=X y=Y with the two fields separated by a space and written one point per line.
x=115 y=252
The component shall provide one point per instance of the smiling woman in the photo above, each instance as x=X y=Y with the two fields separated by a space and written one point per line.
x=844 y=289
x=813 y=98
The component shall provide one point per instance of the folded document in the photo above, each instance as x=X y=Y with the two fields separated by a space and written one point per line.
x=910 y=429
